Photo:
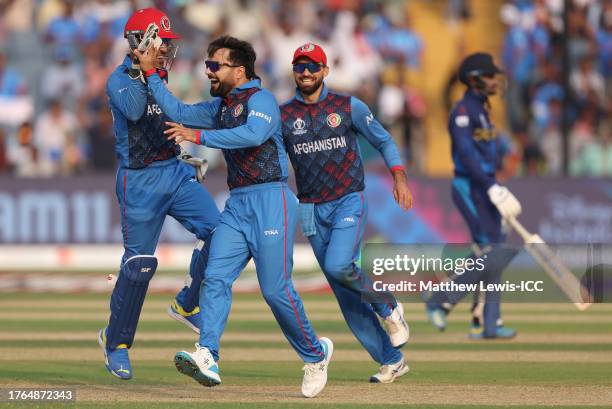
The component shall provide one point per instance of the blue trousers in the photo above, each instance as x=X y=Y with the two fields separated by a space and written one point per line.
x=484 y=221
x=339 y=226
x=482 y=217
x=258 y=222
x=146 y=196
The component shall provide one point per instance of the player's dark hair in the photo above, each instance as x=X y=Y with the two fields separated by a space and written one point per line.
x=241 y=53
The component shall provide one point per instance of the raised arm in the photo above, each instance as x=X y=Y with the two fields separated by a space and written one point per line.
x=201 y=115
x=127 y=95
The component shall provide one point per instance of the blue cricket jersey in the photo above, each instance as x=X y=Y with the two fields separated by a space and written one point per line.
x=138 y=121
x=474 y=140
x=321 y=140
x=245 y=125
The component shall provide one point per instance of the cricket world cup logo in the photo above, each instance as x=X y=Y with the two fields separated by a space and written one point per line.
x=333 y=120
x=299 y=127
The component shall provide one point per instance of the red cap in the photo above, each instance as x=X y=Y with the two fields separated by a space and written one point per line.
x=311 y=51
x=140 y=20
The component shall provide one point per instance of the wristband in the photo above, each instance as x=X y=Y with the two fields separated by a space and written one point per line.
x=150 y=72
x=397 y=167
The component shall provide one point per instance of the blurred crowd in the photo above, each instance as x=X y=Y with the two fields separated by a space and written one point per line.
x=532 y=56
x=55 y=57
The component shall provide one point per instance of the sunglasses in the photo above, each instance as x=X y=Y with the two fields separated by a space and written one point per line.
x=312 y=67
x=214 y=66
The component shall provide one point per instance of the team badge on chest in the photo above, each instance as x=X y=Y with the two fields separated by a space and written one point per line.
x=238 y=110
x=333 y=120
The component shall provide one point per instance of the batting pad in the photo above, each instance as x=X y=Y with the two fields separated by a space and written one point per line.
x=128 y=298
x=189 y=297
x=498 y=256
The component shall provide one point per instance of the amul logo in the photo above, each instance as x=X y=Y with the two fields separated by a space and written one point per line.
x=271 y=232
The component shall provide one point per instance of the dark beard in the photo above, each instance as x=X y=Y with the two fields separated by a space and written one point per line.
x=311 y=89
x=222 y=90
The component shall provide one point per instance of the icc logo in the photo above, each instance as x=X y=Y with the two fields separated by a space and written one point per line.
x=333 y=120
x=299 y=127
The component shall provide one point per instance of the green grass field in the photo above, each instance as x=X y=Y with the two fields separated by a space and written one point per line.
x=561 y=358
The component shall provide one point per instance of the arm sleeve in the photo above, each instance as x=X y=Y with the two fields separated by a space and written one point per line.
x=368 y=126
x=200 y=115
x=262 y=122
x=461 y=131
x=127 y=95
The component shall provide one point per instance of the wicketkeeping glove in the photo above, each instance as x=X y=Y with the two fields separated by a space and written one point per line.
x=200 y=165
x=149 y=39
x=507 y=204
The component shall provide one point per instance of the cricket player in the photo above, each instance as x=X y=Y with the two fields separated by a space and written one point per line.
x=151 y=183
x=482 y=202
x=259 y=217
x=320 y=131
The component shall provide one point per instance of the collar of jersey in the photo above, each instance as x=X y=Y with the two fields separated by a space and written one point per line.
x=298 y=94
x=255 y=83
x=470 y=93
x=127 y=62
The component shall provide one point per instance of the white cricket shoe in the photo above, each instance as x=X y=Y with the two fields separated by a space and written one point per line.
x=315 y=374
x=396 y=327
x=388 y=373
x=200 y=365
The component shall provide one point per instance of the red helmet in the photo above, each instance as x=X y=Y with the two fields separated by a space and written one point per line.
x=140 y=20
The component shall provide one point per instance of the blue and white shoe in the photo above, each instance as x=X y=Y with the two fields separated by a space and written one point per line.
x=200 y=365
x=315 y=374
x=396 y=327
x=117 y=361
x=437 y=316
x=477 y=332
x=388 y=373
x=192 y=319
